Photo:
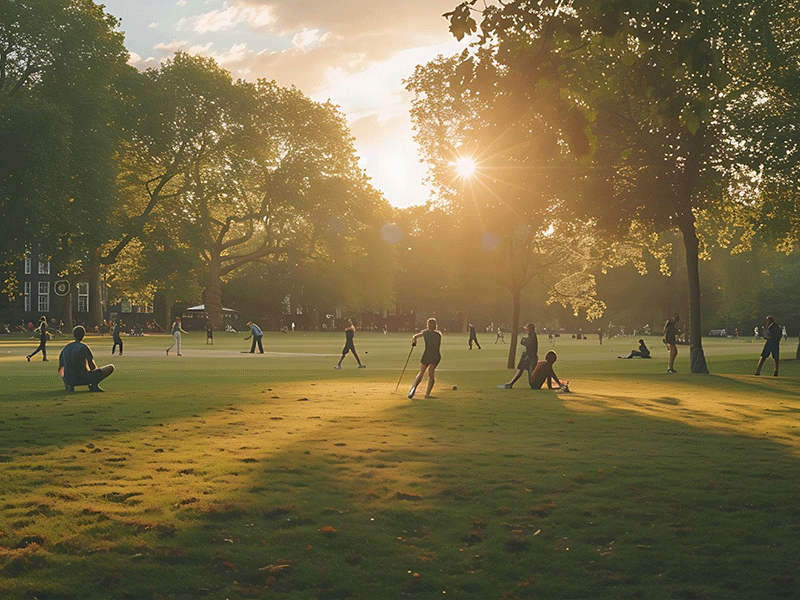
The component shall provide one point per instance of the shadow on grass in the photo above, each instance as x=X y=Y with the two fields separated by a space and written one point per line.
x=502 y=497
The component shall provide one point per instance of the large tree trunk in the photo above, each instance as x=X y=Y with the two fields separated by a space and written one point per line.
x=697 y=358
x=93 y=272
x=212 y=295
x=512 y=350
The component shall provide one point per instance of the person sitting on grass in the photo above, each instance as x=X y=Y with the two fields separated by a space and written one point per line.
x=77 y=367
x=544 y=372
x=642 y=352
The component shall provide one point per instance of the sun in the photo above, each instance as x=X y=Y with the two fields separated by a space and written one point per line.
x=465 y=167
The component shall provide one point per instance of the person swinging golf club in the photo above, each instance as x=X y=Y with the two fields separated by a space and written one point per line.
x=430 y=358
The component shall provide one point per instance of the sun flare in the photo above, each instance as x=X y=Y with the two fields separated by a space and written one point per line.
x=465 y=167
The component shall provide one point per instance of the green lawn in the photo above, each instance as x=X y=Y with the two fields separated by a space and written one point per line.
x=223 y=475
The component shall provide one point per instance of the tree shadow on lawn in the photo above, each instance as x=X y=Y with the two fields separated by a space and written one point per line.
x=505 y=496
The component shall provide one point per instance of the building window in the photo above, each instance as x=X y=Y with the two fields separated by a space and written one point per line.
x=125 y=306
x=147 y=307
x=44 y=267
x=27 y=296
x=83 y=297
x=44 y=296
x=27 y=263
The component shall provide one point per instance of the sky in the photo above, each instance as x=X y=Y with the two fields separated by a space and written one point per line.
x=354 y=53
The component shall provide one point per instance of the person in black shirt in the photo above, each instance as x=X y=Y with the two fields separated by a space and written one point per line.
x=772 y=337
x=77 y=367
x=529 y=358
x=670 y=340
x=473 y=337
x=349 y=345
x=209 y=333
x=43 y=335
x=115 y=332
x=642 y=352
x=430 y=358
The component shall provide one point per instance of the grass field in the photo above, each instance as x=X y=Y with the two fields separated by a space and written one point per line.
x=224 y=475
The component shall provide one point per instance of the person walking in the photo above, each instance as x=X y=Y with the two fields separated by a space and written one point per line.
x=256 y=334
x=176 y=333
x=772 y=342
x=209 y=333
x=785 y=334
x=41 y=329
x=499 y=337
x=349 y=345
x=115 y=333
x=473 y=337
x=670 y=340
x=430 y=358
x=529 y=358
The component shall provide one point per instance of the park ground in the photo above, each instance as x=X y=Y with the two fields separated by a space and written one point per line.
x=227 y=475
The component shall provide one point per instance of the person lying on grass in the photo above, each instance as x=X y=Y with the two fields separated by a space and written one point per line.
x=642 y=352
x=544 y=372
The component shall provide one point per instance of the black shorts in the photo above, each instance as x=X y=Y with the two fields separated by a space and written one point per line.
x=525 y=362
x=430 y=359
x=773 y=349
x=349 y=347
x=670 y=340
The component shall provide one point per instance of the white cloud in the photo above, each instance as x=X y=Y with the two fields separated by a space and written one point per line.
x=309 y=38
x=153 y=25
x=134 y=59
x=171 y=47
x=227 y=18
x=181 y=3
x=150 y=59
x=198 y=49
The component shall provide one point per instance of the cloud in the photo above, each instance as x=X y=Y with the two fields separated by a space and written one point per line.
x=229 y=17
x=181 y=3
x=153 y=25
x=309 y=38
x=171 y=47
x=134 y=59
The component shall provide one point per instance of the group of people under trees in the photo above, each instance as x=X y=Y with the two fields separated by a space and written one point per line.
x=77 y=366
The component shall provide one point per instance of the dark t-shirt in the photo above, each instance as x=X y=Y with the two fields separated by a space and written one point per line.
x=773 y=335
x=669 y=332
x=75 y=358
x=42 y=331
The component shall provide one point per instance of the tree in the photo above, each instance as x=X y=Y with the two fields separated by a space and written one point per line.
x=58 y=62
x=510 y=194
x=644 y=94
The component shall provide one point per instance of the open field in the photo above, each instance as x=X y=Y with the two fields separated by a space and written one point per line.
x=224 y=475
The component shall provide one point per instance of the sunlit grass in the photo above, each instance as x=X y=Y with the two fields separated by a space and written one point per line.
x=229 y=476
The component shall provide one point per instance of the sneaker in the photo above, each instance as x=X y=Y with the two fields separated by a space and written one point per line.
x=671 y=371
x=29 y=358
x=504 y=386
x=775 y=374
x=362 y=366
x=45 y=360
x=96 y=388
x=338 y=367
x=411 y=392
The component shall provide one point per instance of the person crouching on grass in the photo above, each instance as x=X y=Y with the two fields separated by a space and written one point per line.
x=430 y=358
x=544 y=372
x=77 y=367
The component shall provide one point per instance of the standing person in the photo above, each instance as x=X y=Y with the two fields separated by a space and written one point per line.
x=176 y=333
x=529 y=357
x=430 y=358
x=499 y=337
x=772 y=337
x=385 y=330
x=473 y=337
x=209 y=333
x=544 y=372
x=115 y=332
x=785 y=335
x=755 y=333
x=256 y=334
x=670 y=340
x=349 y=346
x=600 y=336
x=43 y=335
x=77 y=367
